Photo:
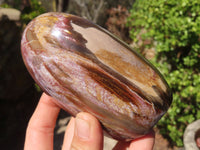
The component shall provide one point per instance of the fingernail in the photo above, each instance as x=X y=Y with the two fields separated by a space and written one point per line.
x=82 y=128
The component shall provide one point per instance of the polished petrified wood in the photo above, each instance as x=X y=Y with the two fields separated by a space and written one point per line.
x=85 y=68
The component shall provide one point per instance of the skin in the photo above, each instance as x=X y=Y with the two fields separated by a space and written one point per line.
x=83 y=132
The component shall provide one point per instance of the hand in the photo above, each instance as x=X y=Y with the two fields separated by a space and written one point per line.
x=83 y=132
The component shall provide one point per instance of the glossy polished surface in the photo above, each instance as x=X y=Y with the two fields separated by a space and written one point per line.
x=87 y=69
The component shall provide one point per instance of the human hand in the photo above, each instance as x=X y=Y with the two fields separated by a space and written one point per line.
x=83 y=132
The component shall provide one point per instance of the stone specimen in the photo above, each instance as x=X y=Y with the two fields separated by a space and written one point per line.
x=86 y=68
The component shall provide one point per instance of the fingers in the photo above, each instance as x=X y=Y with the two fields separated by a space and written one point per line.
x=39 y=134
x=144 y=143
x=87 y=133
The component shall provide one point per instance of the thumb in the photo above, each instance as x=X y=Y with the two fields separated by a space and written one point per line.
x=88 y=134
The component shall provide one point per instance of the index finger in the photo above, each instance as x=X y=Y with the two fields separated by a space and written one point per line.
x=39 y=134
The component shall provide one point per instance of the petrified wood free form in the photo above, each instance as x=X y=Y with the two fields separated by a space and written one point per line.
x=85 y=68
